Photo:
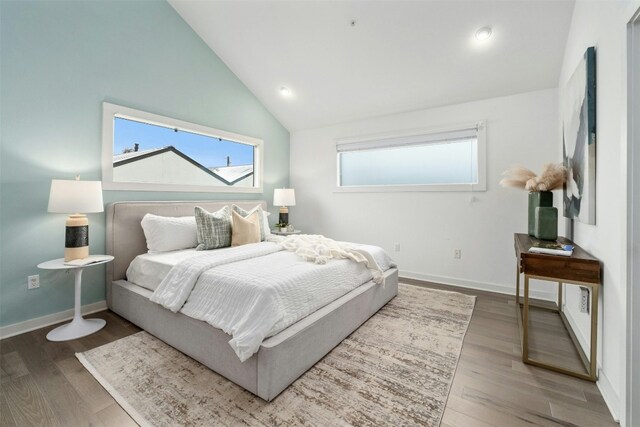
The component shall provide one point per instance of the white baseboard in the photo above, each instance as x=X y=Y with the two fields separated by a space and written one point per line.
x=49 y=319
x=472 y=284
x=609 y=395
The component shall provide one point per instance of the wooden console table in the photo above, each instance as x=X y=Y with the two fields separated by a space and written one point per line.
x=579 y=269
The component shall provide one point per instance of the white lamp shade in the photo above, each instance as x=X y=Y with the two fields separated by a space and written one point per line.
x=74 y=196
x=284 y=197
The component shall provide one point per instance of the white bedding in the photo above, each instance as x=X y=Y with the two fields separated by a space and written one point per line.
x=253 y=291
x=148 y=270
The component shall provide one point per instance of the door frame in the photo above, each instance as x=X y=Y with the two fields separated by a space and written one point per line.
x=633 y=222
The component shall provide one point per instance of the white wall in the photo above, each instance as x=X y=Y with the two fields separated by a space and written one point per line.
x=603 y=25
x=521 y=129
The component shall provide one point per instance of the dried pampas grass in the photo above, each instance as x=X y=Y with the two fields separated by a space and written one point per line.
x=552 y=177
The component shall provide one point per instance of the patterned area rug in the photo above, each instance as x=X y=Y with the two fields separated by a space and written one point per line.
x=396 y=369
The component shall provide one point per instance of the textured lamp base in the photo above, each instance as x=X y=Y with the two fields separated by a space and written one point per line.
x=76 y=253
x=78 y=328
x=283 y=216
x=76 y=242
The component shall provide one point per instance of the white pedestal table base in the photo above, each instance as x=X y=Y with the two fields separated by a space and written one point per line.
x=78 y=328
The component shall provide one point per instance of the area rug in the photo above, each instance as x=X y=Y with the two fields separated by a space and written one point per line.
x=396 y=369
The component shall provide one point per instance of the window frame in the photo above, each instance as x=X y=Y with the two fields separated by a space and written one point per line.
x=111 y=111
x=480 y=186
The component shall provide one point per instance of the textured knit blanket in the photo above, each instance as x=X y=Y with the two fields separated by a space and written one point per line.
x=319 y=249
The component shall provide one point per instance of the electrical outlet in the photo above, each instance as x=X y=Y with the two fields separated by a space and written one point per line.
x=584 y=300
x=457 y=253
x=397 y=247
x=33 y=282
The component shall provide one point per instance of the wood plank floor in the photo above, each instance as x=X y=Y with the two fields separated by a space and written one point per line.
x=43 y=384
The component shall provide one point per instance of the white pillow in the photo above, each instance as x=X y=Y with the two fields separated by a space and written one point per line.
x=265 y=223
x=165 y=233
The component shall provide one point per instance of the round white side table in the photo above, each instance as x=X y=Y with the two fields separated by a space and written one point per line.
x=79 y=327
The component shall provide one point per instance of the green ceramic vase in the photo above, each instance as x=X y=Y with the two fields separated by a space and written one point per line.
x=546 y=223
x=538 y=199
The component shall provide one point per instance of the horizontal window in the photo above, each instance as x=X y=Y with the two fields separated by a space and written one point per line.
x=155 y=153
x=444 y=160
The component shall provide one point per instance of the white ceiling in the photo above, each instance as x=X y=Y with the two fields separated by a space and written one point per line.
x=400 y=55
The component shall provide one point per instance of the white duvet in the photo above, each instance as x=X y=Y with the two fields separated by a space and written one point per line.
x=254 y=291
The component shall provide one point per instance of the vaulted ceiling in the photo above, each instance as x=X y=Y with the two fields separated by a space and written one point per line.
x=345 y=60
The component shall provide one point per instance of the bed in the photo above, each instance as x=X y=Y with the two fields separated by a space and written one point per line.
x=280 y=359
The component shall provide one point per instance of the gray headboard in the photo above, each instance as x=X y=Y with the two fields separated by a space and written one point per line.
x=125 y=238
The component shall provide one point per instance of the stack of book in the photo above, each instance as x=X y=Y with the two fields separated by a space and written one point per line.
x=551 y=248
x=91 y=259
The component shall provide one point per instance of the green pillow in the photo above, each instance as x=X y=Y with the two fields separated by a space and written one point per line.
x=246 y=213
x=214 y=228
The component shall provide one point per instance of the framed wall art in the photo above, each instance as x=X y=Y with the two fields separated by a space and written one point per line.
x=579 y=141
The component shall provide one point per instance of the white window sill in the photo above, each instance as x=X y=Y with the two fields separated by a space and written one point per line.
x=141 y=186
x=411 y=188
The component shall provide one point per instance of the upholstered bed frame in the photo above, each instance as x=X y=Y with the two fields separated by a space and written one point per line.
x=281 y=359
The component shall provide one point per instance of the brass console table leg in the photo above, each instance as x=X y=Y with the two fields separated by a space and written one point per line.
x=518 y=311
x=518 y=284
x=559 y=296
x=594 y=332
x=523 y=321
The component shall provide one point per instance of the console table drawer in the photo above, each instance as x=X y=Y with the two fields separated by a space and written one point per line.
x=570 y=270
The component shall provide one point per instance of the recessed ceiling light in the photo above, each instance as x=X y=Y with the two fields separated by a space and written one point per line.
x=285 y=91
x=483 y=34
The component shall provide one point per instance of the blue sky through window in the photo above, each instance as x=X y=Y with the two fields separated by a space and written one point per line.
x=208 y=151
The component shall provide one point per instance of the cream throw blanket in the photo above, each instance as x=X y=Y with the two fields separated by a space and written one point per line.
x=319 y=249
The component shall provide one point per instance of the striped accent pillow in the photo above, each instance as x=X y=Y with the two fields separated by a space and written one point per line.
x=214 y=228
x=245 y=214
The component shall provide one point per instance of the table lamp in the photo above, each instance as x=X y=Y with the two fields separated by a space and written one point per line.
x=284 y=197
x=77 y=198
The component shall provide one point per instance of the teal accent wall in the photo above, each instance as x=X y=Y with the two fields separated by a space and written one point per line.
x=60 y=60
